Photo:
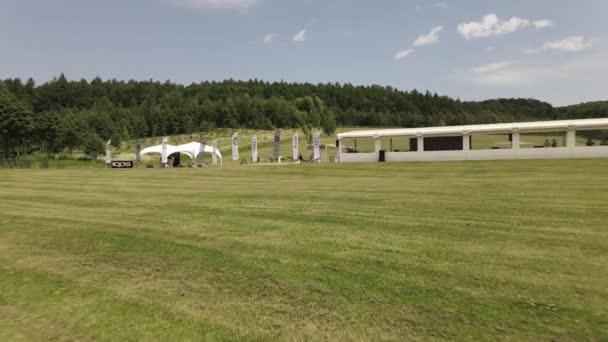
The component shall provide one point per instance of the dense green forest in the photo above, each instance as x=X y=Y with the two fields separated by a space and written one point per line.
x=63 y=115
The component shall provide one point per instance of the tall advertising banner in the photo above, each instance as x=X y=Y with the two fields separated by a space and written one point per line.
x=235 y=146
x=138 y=152
x=277 y=145
x=295 y=144
x=316 y=144
x=214 y=154
x=109 y=152
x=254 y=149
x=164 y=157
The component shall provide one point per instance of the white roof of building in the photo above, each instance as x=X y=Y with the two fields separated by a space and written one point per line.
x=492 y=128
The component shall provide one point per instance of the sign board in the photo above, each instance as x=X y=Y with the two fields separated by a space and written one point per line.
x=122 y=164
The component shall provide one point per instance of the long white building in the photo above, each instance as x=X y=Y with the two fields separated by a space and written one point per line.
x=586 y=138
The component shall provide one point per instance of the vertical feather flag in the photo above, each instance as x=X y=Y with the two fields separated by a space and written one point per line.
x=164 y=157
x=200 y=159
x=295 y=146
x=316 y=144
x=214 y=154
x=109 y=152
x=138 y=152
x=235 y=146
x=254 y=149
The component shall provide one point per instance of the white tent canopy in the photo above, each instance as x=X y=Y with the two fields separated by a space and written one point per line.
x=190 y=149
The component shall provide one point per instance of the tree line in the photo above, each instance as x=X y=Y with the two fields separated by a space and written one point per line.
x=63 y=115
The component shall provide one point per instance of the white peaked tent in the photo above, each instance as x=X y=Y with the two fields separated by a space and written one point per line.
x=191 y=150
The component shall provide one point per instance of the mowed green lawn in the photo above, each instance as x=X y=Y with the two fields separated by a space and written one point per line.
x=514 y=250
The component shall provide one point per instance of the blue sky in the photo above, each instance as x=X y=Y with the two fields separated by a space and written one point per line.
x=553 y=50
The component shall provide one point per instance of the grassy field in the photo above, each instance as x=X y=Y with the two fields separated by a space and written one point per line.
x=514 y=250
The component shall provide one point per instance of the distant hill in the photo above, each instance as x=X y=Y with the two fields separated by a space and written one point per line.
x=598 y=109
x=63 y=114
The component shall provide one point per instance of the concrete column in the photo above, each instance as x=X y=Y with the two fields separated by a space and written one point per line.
x=420 y=144
x=571 y=139
x=466 y=142
x=377 y=144
x=515 y=140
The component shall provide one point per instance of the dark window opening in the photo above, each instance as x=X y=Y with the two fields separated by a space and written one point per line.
x=443 y=144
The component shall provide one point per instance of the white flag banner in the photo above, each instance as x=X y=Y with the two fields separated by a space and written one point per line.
x=295 y=143
x=254 y=149
x=164 y=157
x=235 y=146
x=316 y=144
x=109 y=152
x=214 y=154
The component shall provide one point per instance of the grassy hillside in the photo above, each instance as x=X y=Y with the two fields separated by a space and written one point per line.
x=126 y=149
x=442 y=251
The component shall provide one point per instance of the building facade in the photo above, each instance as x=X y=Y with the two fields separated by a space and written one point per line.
x=586 y=138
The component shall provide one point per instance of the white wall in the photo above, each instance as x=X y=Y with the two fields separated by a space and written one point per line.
x=359 y=157
x=502 y=154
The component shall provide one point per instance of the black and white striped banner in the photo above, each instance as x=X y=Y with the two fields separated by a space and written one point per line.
x=200 y=158
x=277 y=145
x=138 y=152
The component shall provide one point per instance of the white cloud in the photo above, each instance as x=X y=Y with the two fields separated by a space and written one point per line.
x=490 y=25
x=590 y=71
x=491 y=67
x=570 y=44
x=401 y=54
x=441 y=5
x=241 y=5
x=300 y=36
x=540 y=24
x=502 y=75
x=269 y=38
x=559 y=81
x=430 y=38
